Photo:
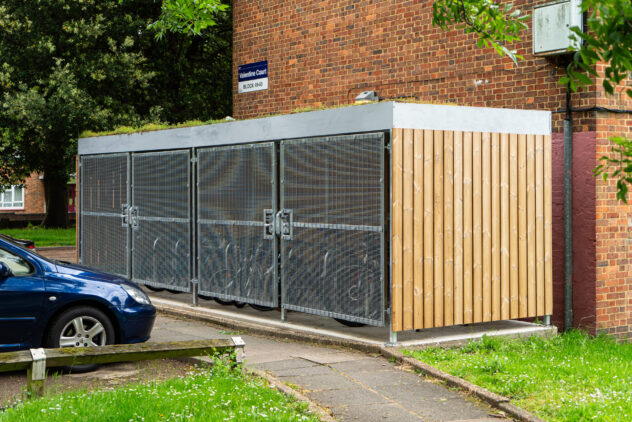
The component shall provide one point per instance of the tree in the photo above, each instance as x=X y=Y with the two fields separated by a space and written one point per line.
x=68 y=65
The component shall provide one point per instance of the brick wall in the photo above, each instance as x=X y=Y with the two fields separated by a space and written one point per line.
x=34 y=199
x=613 y=239
x=323 y=53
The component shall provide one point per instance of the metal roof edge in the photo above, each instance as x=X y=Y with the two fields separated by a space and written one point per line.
x=356 y=119
x=471 y=119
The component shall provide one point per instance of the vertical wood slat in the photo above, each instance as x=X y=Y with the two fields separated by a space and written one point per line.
x=438 y=228
x=471 y=227
x=477 y=227
x=504 y=230
x=418 y=229
x=407 y=249
x=428 y=229
x=468 y=310
x=486 y=229
x=531 y=257
x=513 y=223
x=522 y=226
x=448 y=230
x=539 y=223
x=458 y=228
x=548 y=227
x=396 y=227
x=495 y=227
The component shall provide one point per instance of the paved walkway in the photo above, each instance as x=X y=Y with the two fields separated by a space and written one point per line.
x=354 y=386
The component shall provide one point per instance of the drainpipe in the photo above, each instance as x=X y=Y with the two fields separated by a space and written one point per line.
x=568 y=214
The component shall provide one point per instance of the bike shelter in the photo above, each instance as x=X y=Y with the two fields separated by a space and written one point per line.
x=287 y=211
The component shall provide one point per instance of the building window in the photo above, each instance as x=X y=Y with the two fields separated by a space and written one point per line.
x=12 y=198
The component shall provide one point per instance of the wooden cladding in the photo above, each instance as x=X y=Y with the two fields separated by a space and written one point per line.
x=471 y=227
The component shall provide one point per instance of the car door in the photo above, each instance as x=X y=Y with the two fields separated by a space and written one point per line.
x=21 y=301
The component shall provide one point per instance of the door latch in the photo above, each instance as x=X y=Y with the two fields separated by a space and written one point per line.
x=133 y=217
x=269 y=229
x=285 y=221
x=124 y=215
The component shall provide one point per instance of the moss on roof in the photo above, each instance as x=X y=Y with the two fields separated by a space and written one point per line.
x=150 y=127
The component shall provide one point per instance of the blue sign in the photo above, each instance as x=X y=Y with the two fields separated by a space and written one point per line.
x=253 y=76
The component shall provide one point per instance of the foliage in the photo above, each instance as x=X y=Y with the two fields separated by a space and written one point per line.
x=619 y=162
x=570 y=377
x=494 y=24
x=188 y=16
x=608 y=40
x=44 y=237
x=68 y=65
x=216 y=394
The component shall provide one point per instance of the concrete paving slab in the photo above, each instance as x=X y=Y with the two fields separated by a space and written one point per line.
x=286 y=364
x=330 y=381
x=362 y=365
x=303 y=372
x=344 y=398
x=377 y=413
x=375 y=379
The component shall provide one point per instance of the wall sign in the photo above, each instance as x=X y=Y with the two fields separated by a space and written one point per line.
x=253 y=77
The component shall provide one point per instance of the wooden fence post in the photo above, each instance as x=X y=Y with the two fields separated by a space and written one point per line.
x=36 y=374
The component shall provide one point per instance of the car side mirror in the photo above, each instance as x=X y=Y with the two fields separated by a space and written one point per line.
x=5 y=271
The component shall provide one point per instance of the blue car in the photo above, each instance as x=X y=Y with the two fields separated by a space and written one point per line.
x=47 y=303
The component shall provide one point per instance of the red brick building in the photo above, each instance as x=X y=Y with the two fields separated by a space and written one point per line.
x=27 y=202
x=325 y=52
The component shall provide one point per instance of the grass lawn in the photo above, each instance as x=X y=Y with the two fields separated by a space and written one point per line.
x=572 y=377
x=216 y=394
x=44 y=237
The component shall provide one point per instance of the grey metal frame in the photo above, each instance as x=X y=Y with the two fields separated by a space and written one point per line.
x=262 y=224
x=346 y=227
x=83 y=213
x=134 y=218
x=276 y=223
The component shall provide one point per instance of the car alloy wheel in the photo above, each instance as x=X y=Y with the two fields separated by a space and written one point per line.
x=83 y=331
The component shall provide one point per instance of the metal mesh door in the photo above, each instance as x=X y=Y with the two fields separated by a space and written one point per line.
x=160 y=219
x=104 y=199
x=332 y=236
x=237 y=250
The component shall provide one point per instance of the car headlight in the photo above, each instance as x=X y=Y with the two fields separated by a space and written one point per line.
x=137 y=294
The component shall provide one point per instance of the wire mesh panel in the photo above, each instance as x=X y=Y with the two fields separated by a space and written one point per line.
x=237 y=250
x=103 y=230
x=160 y=219
x=332 y=237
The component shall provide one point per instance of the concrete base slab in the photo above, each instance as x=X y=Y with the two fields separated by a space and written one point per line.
x=313 y=326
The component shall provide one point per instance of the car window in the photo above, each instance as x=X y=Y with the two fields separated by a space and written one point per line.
x=18 y=265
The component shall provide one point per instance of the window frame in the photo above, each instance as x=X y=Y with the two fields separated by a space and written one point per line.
x=31 y=265
x=12 y=190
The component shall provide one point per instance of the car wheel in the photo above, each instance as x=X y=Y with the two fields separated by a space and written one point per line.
x=83 y=326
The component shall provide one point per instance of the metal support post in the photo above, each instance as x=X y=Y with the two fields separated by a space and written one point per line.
x=195 y=287
x=547 y=319
x=392 y=339
x=283 y=315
